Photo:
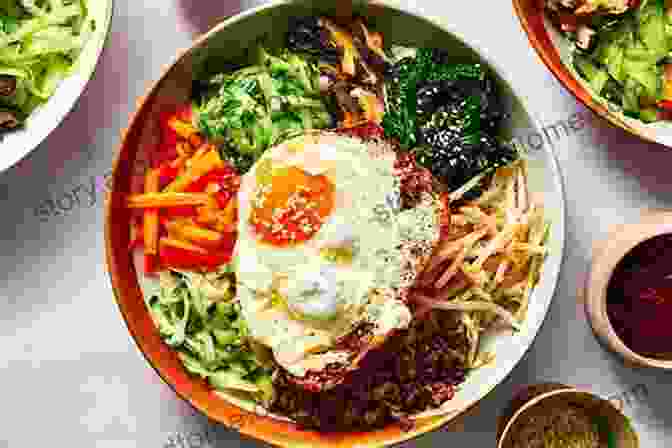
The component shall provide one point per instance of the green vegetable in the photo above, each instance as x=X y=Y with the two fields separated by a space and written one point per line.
x=593 y=74
x=259 y=105
x=649 y=114
x=400 y=117
x=209 y=335
x=625 y=66
x=40 y=41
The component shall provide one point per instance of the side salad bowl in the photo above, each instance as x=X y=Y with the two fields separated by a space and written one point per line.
x=213 y=51
x=55 y=105
x=556 y=51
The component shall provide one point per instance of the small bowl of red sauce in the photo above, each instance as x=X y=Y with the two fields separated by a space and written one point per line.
x=628 y=294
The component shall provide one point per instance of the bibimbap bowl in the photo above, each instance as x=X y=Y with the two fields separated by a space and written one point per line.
x=456 y=389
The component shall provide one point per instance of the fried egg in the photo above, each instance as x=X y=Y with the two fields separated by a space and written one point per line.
x=324 y=246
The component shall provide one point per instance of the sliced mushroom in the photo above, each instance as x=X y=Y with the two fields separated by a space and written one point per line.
x=364 y=72
x=8 y=120
x=584 y=37
x=344 y=99
x=7 y=85
x=369 y=46
x=343 y=41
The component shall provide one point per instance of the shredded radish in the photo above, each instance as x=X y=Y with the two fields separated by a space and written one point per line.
x=452 y=270
x=471 y=306
x=501 y=270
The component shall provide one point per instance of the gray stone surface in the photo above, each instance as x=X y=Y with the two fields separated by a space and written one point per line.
x=70 y=373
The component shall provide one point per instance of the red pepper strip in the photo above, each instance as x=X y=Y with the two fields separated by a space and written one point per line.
x=167 y=174
x=217 y=175
x=181 y=258
x=185 y=113
x=151 y=263
x=223 y=198
x=138 y=235
x=665 y=105
x=181 y=211
x=137 y=243
x=164 y=154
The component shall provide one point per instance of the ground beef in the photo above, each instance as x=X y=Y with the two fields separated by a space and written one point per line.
x=357 y=342
x=413 y=371
x=415 y=180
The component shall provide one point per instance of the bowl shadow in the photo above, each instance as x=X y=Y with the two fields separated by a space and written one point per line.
x=646 y=161
x=201 y=15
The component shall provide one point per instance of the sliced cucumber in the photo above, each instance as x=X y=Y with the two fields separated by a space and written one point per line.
x=595 y=76
x=647 y=74
x=651 y=31
x=640 y=52
x=631 y=93
x=611 y=56
x=648 y=114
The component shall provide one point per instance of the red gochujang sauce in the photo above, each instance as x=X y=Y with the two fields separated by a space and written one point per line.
x=639 y=298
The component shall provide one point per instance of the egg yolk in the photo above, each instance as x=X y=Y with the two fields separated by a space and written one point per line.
x=291 y=206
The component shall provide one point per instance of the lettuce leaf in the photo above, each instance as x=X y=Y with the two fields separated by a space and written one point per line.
x=40 y=41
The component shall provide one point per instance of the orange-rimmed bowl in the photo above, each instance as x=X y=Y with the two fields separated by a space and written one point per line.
x=555 y=52
x=224 y=43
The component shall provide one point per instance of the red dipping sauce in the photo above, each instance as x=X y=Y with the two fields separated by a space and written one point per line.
x=639 y=298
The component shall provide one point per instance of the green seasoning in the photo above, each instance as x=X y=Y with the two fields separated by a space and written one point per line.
x=556 y=426
x=196 y=314
x=40 y=41
x=255 y=107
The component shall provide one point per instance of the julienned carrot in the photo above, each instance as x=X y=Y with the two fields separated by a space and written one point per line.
x=224 y=177
x=151 y=218
x=348 y=119
x=200 y=151
x=667 y=81
x=229 y=212
x=182 y=128
x=197 y=167
x=180 y=244
x=170 y=199
x=198 y=235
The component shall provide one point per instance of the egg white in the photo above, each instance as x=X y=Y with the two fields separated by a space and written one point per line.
x=323 y=300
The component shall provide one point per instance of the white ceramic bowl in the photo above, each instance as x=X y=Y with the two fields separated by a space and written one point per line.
x=15 y=145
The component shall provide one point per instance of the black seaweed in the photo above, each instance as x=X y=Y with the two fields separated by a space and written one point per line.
x=305 y=35
x=453 y=118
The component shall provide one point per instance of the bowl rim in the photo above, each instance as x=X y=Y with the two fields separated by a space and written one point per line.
x=607 y=255
x=16 y=157
x=559 y=70
x=558 y=390
x=551 y=275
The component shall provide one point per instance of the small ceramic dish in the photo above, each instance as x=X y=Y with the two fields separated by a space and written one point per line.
x=606 y=256
x=555 y=52
x=614 y=426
